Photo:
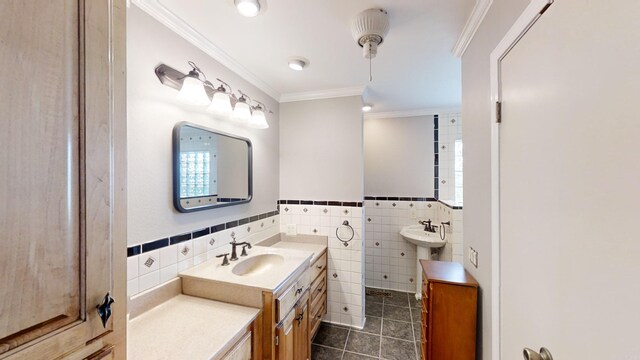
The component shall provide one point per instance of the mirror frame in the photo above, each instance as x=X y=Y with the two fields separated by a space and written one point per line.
x=176 y=169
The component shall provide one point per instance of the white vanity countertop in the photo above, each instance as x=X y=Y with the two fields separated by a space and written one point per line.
x=187 y=327
x=316 y=249
x=268 y=280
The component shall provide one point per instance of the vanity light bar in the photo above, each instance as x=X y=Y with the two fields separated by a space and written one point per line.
x=174 y=79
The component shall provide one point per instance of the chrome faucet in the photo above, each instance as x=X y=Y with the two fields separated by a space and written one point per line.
x=234 y=244
x=427 y=225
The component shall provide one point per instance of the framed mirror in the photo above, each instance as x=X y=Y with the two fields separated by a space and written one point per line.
x=210 y=169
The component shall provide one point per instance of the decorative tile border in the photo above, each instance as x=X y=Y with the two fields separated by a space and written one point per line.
x=399 y=198
x=436 y=160
x=176 y=239
x=320 y=202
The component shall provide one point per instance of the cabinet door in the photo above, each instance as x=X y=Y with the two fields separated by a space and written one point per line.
x=285 y=342
x=56 y=174
x=301 y=332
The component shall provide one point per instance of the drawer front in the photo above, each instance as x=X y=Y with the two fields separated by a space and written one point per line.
x=290 y=297
x=319 y=286
x=318 y=266
x=316 y=316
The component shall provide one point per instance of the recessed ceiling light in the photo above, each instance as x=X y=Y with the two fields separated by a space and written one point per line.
x=248 y=8
x=367 y=107
x=298 y=63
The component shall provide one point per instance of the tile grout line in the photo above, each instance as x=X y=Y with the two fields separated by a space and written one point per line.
x=381 y=327
x=346 y=341
x=413 y=328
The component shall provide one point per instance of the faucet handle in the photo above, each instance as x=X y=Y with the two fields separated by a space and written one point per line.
x=244 y=249
x=225 y=261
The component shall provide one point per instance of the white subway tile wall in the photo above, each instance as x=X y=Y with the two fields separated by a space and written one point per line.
x=390 y=261
x=449 y=131
x=453 y=249
x=345 y=296
x=156 y=267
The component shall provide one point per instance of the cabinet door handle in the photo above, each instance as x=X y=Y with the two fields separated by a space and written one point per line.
x=320 y=289
x=300 y=317
x=104 y=309
x=319 y=266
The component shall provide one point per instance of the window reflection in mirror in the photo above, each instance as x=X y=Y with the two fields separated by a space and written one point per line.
x=210 y=169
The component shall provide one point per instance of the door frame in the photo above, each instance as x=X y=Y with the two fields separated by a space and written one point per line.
x=525 y=21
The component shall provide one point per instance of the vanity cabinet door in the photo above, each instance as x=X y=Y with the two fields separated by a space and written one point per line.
x=285 y=337
x=60 y=209
x=301 y=332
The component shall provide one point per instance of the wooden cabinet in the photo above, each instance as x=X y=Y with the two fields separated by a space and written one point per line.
x=301 y=345
x=241 y=350
x=62 y=178
x=299 y=322
x=449 y=312
x=318 y=294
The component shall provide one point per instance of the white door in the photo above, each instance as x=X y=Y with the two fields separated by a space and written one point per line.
x=569 y=165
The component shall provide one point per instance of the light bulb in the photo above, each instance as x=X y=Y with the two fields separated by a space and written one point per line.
x=192 y=92
x=242 y=112
x=248 y=8
x=367 y=107
x=258 y=119
x=221 y=104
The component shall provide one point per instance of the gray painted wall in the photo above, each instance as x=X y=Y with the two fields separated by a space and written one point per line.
x=321 y=155
x=476 y=129
x=398 y=156
x=153 y=111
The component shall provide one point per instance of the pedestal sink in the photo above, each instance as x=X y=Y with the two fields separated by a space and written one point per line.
x=425 y=241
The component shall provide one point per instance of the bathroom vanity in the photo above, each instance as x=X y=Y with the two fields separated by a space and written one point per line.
x=449 y=312
x=284 y=277
x=166 y=324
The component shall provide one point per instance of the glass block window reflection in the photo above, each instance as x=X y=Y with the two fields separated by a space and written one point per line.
x=458 y=173
x=194 y=173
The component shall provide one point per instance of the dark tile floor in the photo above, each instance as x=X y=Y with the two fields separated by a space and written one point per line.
x=392 y=331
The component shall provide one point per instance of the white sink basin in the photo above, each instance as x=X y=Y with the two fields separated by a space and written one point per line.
x=257 y=264
x=415 y=234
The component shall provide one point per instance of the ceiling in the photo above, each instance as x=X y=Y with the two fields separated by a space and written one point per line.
x=414 y=69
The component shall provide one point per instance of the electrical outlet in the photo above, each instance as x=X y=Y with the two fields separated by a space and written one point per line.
x=292 y=230
x=413 y=213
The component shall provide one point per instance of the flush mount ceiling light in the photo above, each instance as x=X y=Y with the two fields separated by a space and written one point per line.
x=192 y=91
x=369 y=29
x=298 y=63
x=248 y=8
x=367 y=107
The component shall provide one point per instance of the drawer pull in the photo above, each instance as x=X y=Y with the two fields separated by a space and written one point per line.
x=320 y=289
x=319 y=267
x=299 y=290
x=300 y=317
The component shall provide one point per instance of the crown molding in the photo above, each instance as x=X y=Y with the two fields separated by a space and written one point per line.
x=168 y=18
x=411 y=113
x=471 y=27
x=323 y=94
